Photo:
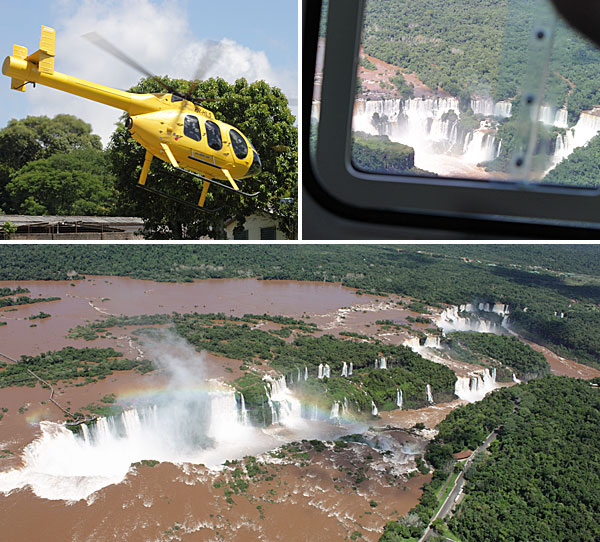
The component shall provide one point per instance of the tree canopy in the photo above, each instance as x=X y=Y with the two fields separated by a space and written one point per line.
x=35 y=138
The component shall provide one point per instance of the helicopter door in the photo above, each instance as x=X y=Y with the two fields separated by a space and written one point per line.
x=239 y=146
x=215 y=142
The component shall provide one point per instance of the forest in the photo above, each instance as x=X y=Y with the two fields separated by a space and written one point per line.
x=68 y=364
x=58 y=166
x=552 y=290
x=540 y=477
x=508 y=353
x=482 y=48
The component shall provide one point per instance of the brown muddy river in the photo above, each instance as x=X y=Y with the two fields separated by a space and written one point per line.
x=185 y=501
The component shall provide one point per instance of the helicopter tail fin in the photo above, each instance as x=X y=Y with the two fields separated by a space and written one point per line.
x=44 y=56
x=19 y=52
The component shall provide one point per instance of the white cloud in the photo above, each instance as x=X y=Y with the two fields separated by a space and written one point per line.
x=158 y=40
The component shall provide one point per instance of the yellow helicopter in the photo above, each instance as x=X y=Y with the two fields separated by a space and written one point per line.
x=170 y=126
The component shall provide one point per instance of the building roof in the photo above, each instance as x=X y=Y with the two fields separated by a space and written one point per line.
x=105 y=223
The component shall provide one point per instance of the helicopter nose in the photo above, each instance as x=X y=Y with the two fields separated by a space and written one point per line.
x=256 y=166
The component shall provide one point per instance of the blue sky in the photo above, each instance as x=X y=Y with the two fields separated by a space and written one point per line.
x=259 y=40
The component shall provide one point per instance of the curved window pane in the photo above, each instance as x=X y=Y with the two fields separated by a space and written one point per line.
x=213 y=135
x=239 y=145
x=191 y=128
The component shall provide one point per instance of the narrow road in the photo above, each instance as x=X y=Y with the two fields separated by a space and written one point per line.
x=459 y=483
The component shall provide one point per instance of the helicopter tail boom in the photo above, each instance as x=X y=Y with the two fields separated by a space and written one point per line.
x=38 y=68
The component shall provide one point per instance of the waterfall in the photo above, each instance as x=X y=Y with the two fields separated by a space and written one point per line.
x=285 y=408
x=399 y=398
x=428 y=393
x=320 y=374
x=350 y=370
x=376 y=363
x=374 y=411
x=515 y=379
x=476 y=385
x=587 y=127
x=432 y=341
x=465 y=318
x=412 y=343
x=335 y=410
x=345 y=369
x=327 y=371
x=487 y=108
x=305 y=374
x=345 y=407
x=243 y=416
x=382 y=363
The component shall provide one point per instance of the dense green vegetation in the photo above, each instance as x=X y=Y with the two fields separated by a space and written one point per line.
x=540 y=283
x=483 y=48
x=25 y=300
x=408 y=371
x=539 y=478
x=580 y=168
x=379 y=154
x=68 y=363
x=8 y=291
x=508 y=352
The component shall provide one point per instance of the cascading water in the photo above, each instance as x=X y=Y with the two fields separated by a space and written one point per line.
x=466 y=318
x=320 y=372
x=285 y=408
x=350 y=370
x=428 y=393
x=374 y=411
x=399 y=400
x=327 y=371
x=188 y=426
x=335 y=410
x=305 y=374
x=431 y=126
x=383 y=363
x=432 y=341
x=476 y=385
x=345 y=369
x=587 y=127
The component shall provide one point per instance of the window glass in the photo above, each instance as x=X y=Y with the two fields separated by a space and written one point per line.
x=481 y=89
x=239 y=145
x=191 y=128
x=175 y=98
x=267 y=234
x=240 y=236
x=213 y=135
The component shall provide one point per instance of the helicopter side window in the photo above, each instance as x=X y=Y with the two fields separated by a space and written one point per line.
x=239 y=145
x=176 y=98
x=191 y=128
x=213 y=134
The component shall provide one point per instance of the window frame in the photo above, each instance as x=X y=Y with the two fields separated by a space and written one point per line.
x=353 y=190
x=210 y=136
x=196 y=120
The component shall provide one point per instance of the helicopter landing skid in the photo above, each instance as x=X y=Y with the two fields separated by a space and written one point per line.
x=220 y=185
x=178 y=200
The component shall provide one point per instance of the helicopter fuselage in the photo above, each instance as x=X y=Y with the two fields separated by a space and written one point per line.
x=163 y=123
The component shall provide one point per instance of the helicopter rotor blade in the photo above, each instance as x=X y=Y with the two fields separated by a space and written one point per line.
x=108 y=47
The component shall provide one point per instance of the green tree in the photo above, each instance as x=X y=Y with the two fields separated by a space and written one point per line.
x=34 y=138
x=75 y=183
x=261 y=112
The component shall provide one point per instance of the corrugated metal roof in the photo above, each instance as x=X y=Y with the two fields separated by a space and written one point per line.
x=29 y=220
